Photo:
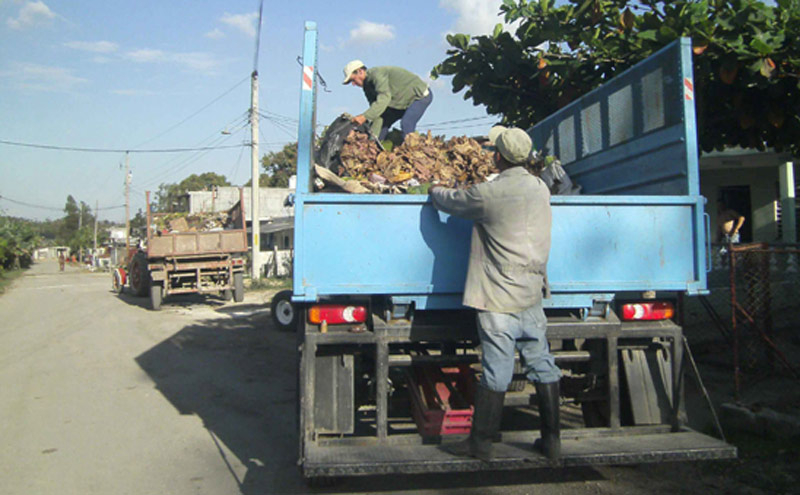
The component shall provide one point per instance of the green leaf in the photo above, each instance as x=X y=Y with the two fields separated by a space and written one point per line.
x=498 y=29
x=760 y=46
x=649 y=35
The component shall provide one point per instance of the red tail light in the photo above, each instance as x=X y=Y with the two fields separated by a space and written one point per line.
x=336 y=313
x=648 y=311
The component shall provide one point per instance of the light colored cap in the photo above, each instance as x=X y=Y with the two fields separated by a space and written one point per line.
x=494 y=132
x=351 y=67
x=513 y=143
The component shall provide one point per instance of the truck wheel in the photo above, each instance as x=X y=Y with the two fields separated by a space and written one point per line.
x=156 y=296
x=140 y=279
x=227 y=294
x=284 y=314
x=117 y=280
x=238 y=287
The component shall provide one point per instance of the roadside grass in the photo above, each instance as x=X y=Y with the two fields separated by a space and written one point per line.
x=7 y=277
x=270 y=284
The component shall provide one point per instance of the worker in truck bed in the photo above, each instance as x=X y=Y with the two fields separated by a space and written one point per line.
x=393 y=94
x=505 y=284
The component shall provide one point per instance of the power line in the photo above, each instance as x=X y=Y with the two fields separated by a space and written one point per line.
x=6 y=198
x=195 y=113
x=116 y=150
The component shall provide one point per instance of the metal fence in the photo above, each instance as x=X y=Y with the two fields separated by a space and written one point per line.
x=750 y=321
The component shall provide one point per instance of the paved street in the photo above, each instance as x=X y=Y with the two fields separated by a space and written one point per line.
x=100 y=395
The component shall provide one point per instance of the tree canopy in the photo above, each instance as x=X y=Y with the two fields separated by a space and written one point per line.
x=746 y=61
x=172 y=197
x=279 y=166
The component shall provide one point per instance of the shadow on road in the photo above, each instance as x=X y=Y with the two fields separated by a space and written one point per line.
x=238 y=374
x=172 y=301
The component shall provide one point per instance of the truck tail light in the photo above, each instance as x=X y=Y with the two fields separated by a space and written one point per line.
x=335 y=314
x=656 y=310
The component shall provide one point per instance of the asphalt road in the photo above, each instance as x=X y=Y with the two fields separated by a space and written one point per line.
x=100 y=395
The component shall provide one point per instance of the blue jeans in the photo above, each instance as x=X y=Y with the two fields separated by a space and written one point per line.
x=408 y=118
x=501 y=333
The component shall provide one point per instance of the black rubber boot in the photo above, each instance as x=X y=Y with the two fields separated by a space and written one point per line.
x=485 y=426
x=549 y=402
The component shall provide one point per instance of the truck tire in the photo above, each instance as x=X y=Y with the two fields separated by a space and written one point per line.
x=139 y=276
x=156 y=296
x=227 y=294
x=238 y=287
x=284 y=313
x=117 y=280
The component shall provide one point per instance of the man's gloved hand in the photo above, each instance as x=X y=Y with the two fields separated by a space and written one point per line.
x=359 y=119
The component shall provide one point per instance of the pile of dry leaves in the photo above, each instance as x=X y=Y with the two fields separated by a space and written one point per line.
x=420 y=160
x=194 y=222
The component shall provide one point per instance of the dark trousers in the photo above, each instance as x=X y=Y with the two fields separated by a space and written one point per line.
x=408 y=118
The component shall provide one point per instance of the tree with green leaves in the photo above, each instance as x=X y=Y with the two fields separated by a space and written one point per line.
x=173 y=197
x=746 y=61
x=279 y=166
x=17 y=243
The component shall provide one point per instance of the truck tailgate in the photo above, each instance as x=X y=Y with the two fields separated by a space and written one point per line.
x=193 y=243
x=368 y=244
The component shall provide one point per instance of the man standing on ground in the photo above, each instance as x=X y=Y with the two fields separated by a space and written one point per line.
x=505 y=281
x=393 y=93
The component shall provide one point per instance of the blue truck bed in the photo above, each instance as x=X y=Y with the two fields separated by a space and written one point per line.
x=640 y=226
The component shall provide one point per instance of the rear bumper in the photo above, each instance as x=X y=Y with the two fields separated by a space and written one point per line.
x=587 y=447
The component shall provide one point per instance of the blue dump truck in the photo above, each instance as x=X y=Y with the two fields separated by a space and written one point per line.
x=388 y=355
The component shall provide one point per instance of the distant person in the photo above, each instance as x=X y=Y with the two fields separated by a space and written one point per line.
x=729 y=222
x=393 y=94
x=61 y=261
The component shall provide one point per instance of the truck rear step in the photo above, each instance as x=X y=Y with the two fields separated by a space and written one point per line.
x=586 y=447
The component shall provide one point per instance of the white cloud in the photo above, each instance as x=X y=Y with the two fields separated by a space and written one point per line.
x=473 y=17
x=147 y=56
x=245 y=23
x=31 y=14
x=197 y=61
x=370 y=33
x=93 y=46
x=42 y=77
x=216 y=34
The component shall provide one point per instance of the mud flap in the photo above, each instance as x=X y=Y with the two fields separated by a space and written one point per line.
x=648 y=376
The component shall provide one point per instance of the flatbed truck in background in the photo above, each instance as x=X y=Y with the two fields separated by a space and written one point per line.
x=185 y=262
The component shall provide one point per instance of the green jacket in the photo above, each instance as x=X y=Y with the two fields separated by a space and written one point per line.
x=391 y=87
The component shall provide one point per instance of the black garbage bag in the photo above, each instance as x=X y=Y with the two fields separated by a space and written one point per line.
x=330 y=145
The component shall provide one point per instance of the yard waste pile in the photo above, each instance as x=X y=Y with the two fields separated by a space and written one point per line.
x=172 y=223
x=352 y=160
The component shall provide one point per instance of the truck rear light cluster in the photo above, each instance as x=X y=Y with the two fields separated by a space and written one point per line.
x=656 y=310
x=335 y=314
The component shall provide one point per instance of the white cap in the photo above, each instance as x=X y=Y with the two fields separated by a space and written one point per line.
x=351 y=67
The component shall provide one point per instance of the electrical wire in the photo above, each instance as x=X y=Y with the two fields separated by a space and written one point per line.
x=114 y=150
x=177 y=164
x=194 y=114
x=31 y=205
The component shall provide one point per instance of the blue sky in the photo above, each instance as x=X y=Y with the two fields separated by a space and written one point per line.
x=175 y=74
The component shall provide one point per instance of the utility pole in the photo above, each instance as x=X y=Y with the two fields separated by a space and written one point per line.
x=127 y=206
x=80 y=227
x=255 y=209
x=94 y=250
